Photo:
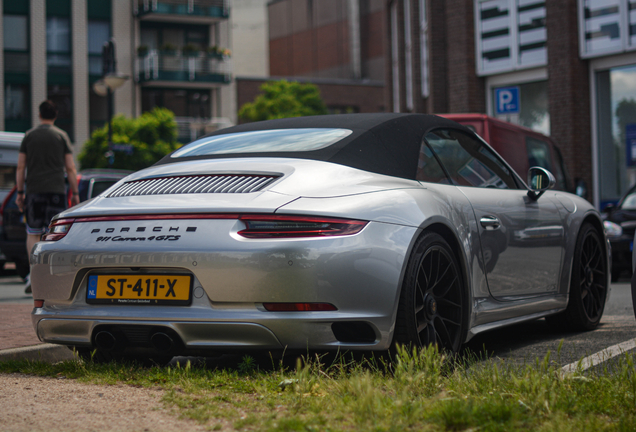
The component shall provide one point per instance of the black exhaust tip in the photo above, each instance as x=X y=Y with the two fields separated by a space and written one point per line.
x=105 y=340
x=161 y=342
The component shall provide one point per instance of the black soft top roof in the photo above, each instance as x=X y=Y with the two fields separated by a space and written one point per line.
x=382 y=143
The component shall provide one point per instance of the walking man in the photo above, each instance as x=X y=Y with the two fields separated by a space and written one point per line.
x=45 y=153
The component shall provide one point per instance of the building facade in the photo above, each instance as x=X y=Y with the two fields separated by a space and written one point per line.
x=175 y=53
x=338 y=45
x=566 y=68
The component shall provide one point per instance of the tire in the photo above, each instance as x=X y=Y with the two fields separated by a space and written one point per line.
x=588 y=284
x=433 y=302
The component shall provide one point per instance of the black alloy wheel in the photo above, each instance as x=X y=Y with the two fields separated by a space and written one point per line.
x=588 y=286
x=433 y=299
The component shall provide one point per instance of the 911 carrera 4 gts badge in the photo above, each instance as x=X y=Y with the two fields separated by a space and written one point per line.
x=153 y=238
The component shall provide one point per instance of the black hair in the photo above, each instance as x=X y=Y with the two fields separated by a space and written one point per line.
x=48 y=110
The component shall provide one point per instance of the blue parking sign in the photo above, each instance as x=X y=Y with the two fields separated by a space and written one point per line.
x=507 y=100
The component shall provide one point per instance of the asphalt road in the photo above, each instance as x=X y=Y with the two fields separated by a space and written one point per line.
x=526 y=342
x=520 y=343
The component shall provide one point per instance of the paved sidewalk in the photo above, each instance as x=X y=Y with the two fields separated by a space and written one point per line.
x=18 y=339
x=16 y=330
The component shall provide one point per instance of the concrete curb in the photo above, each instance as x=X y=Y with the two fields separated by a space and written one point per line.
x=49 y=353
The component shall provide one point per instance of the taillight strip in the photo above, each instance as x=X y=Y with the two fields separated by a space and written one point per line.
x=183 y=216
x=324 y=226
x=335 y=226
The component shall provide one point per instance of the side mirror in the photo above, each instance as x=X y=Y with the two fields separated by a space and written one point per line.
x=539 y=181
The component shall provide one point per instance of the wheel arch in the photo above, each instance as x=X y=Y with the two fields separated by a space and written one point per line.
x=594 y=220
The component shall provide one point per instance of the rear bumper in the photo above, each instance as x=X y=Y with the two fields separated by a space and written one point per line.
x=240 y=332
x=194 y=335
x=360 y=275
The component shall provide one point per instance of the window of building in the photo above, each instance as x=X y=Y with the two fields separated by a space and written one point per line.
x=58 y=44
x=533 y=106
x=606 y=27
x=16 y=62
x=424 y=48
x=17 y=113
x=616 y=129
x=510 y=35
x=15 y=31
x=98 y=34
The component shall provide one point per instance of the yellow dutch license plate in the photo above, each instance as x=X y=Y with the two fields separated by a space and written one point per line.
x=139 y=289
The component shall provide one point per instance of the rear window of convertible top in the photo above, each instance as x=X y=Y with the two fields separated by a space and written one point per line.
x=273 y=140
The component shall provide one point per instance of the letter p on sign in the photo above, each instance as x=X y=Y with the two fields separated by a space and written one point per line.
x=507 y=100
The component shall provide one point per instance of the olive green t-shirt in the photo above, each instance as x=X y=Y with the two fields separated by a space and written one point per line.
x=45 y=147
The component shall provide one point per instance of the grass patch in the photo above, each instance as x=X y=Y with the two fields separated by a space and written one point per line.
x=415 y=390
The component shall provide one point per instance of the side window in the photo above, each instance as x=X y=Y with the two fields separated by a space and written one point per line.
x=428 y=168
x=468 y=161
x=539 y=155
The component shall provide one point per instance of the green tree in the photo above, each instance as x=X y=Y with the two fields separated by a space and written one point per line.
x=282 y=99
x=152 y=136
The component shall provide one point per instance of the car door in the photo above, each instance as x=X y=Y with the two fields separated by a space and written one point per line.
x=522 y=239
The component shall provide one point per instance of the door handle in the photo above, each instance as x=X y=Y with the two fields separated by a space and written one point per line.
x=490 y=222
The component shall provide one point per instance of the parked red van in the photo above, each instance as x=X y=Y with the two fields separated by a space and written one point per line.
x=521 y=147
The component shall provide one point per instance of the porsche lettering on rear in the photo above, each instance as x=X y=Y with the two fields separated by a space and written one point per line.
x=142 y=229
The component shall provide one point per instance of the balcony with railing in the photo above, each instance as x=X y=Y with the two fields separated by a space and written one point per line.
x=180 y=66
x=162 y=10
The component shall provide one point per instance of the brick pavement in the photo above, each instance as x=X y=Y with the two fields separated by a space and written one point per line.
x=16 y=330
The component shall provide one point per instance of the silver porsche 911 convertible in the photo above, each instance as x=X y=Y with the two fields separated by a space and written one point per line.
x=349 y=232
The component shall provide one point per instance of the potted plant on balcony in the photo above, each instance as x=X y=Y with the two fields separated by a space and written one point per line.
x=213 y=51
x=218 y=53
x=142 y=50
x=169 y=49
x=190 y=50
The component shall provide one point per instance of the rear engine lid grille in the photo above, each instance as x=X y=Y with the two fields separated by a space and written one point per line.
x=194 y=184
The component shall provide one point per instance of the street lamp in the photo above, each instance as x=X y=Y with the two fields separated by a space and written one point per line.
x=111 y=80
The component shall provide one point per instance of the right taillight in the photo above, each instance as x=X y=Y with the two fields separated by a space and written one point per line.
x=279 y=226
x=58 y=229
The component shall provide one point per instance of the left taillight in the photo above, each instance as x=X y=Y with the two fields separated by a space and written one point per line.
x=58 y=229
x=278 y=226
